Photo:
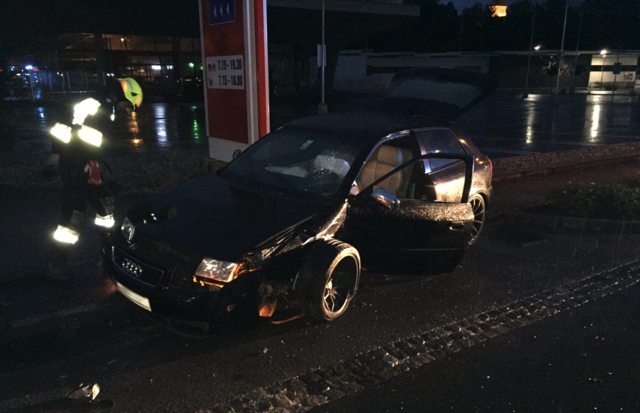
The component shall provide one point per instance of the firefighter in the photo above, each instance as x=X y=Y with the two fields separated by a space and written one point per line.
x=124 y=94
x=79 y=167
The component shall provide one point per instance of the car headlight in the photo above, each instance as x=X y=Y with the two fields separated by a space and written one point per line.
x=128 y=229
x=217 y=270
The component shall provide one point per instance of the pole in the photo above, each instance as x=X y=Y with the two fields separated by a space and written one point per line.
x=575 y=62
x=615 y=77
x=604 y=56
x=324 y=58
x=533 y=26
x=561 y=62
x=461 y=34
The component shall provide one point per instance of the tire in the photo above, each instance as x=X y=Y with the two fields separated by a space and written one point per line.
x=328 y=280
x=479 y=216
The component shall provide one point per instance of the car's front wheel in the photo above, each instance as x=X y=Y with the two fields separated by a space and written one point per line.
x=328 y=280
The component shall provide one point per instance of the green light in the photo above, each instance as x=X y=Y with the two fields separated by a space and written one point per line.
x=191 y=65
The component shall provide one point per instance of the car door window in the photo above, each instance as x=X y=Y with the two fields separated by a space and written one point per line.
x=445 y=177
x=384 y=159
x=440 y=141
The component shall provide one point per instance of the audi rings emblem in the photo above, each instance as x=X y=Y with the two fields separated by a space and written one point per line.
x=131 y=267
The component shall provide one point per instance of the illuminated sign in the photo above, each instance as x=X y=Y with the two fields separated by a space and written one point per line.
x=499 y=11
x=222 y=11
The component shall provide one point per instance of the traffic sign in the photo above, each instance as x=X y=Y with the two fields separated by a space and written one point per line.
x=617 y=68
x=222 y=11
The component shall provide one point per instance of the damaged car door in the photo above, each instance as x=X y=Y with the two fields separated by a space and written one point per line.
x=397 y=219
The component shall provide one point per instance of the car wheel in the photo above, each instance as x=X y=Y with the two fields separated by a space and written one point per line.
x=328 y=280
x=479 y=214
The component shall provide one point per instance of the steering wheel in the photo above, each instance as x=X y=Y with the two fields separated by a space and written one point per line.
x=322 y=181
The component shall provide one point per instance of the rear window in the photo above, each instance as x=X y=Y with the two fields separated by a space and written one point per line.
x=458 y=94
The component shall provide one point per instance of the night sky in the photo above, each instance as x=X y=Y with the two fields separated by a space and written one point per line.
x=461 y=4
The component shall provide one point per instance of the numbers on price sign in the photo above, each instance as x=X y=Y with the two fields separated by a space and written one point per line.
x=228 y=73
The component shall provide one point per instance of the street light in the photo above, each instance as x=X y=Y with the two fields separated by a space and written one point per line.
x=537 y=48
x=525 y=94
x=603 y=52
x=561 y=62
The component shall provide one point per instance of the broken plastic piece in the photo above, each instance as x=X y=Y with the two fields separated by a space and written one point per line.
x=84 y=392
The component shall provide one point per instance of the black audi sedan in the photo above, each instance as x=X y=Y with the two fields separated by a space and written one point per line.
x=298 y=214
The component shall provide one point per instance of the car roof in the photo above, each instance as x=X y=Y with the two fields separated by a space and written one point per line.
x=440 y=92
x=369 y=126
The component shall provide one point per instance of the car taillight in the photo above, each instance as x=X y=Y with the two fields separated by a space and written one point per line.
x=490 y=163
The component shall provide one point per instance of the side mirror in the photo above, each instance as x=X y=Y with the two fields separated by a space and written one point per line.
x=236 y=153
x=386 y=198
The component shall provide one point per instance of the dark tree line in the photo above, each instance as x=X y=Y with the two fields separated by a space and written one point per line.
x=612 y=24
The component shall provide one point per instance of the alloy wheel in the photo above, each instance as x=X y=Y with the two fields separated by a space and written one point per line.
x=339 y=287
x=479 y=214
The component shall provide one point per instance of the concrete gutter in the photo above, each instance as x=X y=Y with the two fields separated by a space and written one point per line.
x=549 y=162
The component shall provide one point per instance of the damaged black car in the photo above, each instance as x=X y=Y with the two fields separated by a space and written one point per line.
x=298 y=214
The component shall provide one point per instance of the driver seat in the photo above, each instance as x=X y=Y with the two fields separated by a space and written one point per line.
x=381 y=163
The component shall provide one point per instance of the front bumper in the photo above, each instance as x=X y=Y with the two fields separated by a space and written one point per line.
x=148 y=286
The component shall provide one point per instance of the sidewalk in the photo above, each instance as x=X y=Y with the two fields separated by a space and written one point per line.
x=28 y=218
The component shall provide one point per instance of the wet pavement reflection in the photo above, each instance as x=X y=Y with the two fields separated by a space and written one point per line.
x=156 y=126
x=503 y=125
x=507 y=125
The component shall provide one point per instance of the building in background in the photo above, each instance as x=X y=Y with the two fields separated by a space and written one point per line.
x=83 y=62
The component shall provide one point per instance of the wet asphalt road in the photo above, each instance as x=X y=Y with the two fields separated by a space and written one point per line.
x=503 y=125
x=570 y=363
x=143 y=368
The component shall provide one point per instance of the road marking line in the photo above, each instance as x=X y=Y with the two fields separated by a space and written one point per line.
x=366 y=370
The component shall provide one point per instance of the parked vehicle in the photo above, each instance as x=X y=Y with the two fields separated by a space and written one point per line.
x=301 y=211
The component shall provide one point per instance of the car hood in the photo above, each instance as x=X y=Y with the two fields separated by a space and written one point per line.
x=438 y=92
x=217 y=219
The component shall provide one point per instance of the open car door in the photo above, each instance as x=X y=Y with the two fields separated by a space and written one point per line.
x=397 y=223
x=437 y=92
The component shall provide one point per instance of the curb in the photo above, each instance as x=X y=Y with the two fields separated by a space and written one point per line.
x=544 y=163
x=592 y=225
x=36 y=319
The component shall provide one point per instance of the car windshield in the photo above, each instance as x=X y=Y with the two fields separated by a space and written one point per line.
x=295 y=161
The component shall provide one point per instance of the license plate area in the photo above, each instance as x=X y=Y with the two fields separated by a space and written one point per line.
x=133 y=297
